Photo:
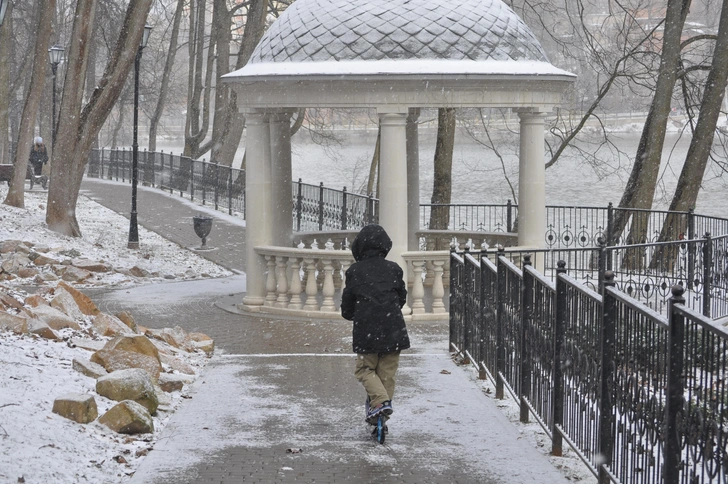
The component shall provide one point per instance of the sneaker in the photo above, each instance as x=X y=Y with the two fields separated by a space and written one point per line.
x=384 y=407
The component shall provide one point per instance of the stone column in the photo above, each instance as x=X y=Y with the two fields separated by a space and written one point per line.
x=531 y=181
x=413 y=180
x=393 y=182
x=258 y=201
x=281 y=179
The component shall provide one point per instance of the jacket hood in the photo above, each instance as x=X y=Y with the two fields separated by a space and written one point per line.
x=372 y=241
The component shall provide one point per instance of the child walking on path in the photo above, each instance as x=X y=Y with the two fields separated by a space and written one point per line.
x=373 y=298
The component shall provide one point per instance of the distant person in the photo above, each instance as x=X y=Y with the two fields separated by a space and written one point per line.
x=373 y=298
x=38 y=156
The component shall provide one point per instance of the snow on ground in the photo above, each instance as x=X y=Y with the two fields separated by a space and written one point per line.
x=37 y=445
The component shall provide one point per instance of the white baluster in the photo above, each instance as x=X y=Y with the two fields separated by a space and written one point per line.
x=418 y=290
x=311 y=289
x=329 y=245
x=438 y=290
x=270 y=282
x=282 y=282
x=328 y=289
x=295 y=290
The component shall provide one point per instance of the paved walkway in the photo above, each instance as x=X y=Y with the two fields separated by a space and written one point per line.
x=277 y=386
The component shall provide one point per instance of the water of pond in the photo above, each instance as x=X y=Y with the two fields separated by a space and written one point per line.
x=478 y=173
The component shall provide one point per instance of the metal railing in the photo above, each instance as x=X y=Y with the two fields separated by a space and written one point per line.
x=640 y=396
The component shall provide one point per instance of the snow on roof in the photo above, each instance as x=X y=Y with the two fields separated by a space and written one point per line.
x=420 y=68
x=375 y=30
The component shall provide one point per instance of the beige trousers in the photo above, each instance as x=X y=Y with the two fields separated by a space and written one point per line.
x=376 y=371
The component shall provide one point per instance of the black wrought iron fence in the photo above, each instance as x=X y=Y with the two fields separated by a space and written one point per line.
x=314 y=207
x=640 y=396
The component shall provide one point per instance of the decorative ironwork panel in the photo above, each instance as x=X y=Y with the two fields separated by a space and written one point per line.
x=511 y=322
x=489 y=314
x=581 y=368
x=572 y=227
x=639 y=372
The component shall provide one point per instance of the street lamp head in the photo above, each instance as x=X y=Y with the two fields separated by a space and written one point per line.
x=145 y=36
x=55 y=54
x=3 y=8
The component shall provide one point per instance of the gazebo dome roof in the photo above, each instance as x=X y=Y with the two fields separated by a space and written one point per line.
x=376 y=30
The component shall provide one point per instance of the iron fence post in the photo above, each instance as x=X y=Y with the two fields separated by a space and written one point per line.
x=691 y=248
x=610 y=233
x=509 y=216
x=558 y=384
x=454 y=298
x=321 y=207
x=500 y=349
x=707 y=273
x=526 y=314
x=481 y=315
x=675 y=389
x=230 y=189
x=299 y=205
x=204 y=181
x=606 y=403
x=466 y=294
x=217 y=183
x=602 y=261
x=192 y=180
x=343 y=209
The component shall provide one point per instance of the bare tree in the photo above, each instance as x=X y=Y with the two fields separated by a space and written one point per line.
x=16 y=191
x=79 y=124
x=442 y=180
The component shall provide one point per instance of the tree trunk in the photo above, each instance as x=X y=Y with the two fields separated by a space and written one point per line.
x=691 y=175
x=442 y=179
x=78 y=127
x=164 y=87
x=5 y=49
x=235 y=121
x=16 y=191
x=640 y=189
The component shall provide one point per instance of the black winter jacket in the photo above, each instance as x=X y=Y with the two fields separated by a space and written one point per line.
x=38 y=155
x=374 y=295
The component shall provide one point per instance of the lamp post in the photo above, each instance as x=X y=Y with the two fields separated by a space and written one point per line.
x=3 y=8
x=55 y=55
x=133 y=228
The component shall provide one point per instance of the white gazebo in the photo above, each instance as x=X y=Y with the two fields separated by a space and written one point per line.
x=395 y=56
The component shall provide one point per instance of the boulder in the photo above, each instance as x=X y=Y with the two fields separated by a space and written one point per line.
x=88 y=344
x=108 y=325
x=9 y=301
x=74 y=274
x=10 y=322
x=128 y=417
x=39 y=328
x=89 y=368
x=27 y=272
x=36 y=300
x=44 y=277
x=64 y=302
x=136 y=343
x=91 y=266
x=137 y=271
x=54 y=318
x=170 y=382
x=85 y=304
x=132 y=384
x=15 y=262
x=80 y=408
x=8 y=246
x=128 y=319
x=115 y=360
x=207 y=346
x=176 y=336
x=177 y=364
x=44 y=260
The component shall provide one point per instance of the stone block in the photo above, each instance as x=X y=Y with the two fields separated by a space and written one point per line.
x=132 y=384
x=9 y=301
x=15 y=324
x=89 y=368
x=80 y=408
x=64 y=302
x=128 y=417
x=40 y=328
x=44 y=260
x=108 y=325
x=128 y=319
x=170 y=382
x=91 y=266
x=136 y=343
x=177 y=364
x=54 y=318
x=114 y=360
x=85 y=304
x=36 y=300
x=74 y=274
